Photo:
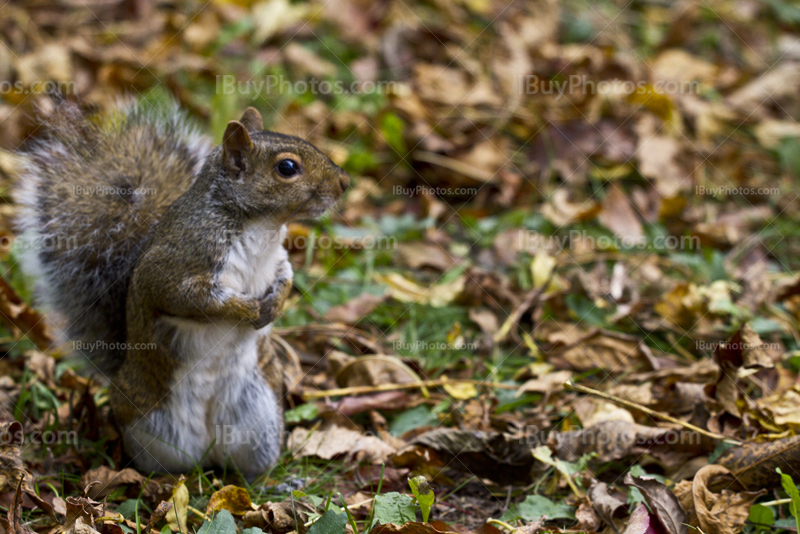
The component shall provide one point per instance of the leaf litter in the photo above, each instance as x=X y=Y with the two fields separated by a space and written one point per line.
x=562 y=293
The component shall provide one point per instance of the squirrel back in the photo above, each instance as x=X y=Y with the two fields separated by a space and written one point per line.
x=90 y=195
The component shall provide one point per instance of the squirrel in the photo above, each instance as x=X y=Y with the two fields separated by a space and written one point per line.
x=164 y=256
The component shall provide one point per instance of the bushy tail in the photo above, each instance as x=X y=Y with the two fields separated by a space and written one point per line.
x=90 y=194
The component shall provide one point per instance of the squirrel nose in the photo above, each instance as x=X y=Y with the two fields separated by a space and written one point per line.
x=344 y=180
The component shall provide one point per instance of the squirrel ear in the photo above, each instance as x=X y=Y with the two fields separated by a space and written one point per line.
x=236 y=143
x=251 y=118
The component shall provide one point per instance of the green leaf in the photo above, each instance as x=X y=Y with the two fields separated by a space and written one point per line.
x=393 y=508
x=412 y=419
x=567 y=469
x=391 y=129
x=536 y=506
x=761 y=514
x=329 y=523
x=223 y=523
x=304 y=412
x=790 y=488
x=252 y=530
x=424 y=495
x=128 y=508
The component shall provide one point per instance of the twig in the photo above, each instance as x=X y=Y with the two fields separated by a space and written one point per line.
x=571 y=386
x=514 y=317
x=454 y=165
x=776 y=503
x=364 y=390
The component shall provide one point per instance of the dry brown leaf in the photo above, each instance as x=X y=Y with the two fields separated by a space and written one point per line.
x=546 y=383
x=486 y=454
x=724 y=512
x=620 y=217
x=561 y=211
x=659 y=157
x=110 y=479
x=14 y=523
x=662 y=502
x=421 y=254
x=606 y=505
x=336 y=441
x=13 y=473
x=486 y=320
x=611 y=440
x=370 y=370
x=411 y=527
x=754 y=464
x=354 y=309
x=280 y=517
x=595 y=349
x=21 y=318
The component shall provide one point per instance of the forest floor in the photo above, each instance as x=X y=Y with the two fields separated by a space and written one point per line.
x=560 y=295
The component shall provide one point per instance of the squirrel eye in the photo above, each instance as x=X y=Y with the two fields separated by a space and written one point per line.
x=288 y=168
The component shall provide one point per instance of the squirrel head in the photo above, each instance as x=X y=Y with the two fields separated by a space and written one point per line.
x=278 y=176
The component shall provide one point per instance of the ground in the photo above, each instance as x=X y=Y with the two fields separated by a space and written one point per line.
x=560 y=294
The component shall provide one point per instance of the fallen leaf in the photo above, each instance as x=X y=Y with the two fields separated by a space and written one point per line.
x=642 y=522
x=662 y=502
x=232 y=498
x=337 y=441
x=546 y=383
x=110 y=479
x=370 y=370
x=23 y=319
x=561 y=211
x=606 y=505
x=176 y=517
x=421 y=254
x=438 y=295
x=725 y=512
x=410 y=527
x=615 y=440
x=355 y=309
x=754 y=464
x=485 y=454
x=14 y=523
x=280 y=517
x=620 y=217
x=159 y=514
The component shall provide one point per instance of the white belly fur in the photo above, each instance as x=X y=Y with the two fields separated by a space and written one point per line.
x=220 y=358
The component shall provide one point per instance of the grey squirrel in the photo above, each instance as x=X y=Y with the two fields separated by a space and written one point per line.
x=165 y=257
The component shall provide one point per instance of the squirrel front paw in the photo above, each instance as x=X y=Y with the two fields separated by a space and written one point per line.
x=271 y=304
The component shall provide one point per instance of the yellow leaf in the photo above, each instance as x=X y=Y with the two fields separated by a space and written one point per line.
x=461 y=390
x=232 y=498
x=541 y=268
x=438 y=295
x=176 y=518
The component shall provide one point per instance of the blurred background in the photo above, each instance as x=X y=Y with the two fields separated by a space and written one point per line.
x=591 y=187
